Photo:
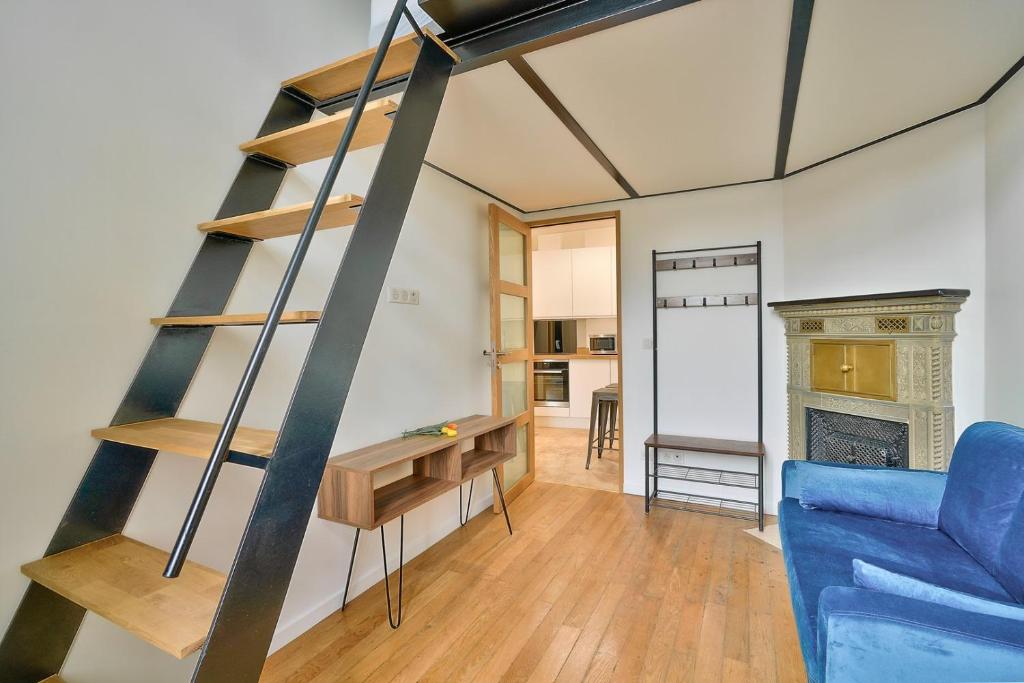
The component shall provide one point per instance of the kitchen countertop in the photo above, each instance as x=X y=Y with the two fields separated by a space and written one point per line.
x=576 y=356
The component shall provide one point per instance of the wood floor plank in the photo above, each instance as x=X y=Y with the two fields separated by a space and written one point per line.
x=588 y=588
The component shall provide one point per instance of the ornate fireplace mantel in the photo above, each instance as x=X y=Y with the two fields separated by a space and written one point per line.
x=915 y=328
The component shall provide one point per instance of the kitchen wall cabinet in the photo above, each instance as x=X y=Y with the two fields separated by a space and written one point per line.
x=592 y=282
x=552 y=283
x=574 y=283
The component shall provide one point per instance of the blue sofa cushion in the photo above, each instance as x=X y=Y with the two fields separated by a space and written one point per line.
x=981 y=507
x=867 y=575
x=894 y=494
x=820 y=546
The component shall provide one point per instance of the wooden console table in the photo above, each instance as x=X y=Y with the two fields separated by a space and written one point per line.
x=349 y=495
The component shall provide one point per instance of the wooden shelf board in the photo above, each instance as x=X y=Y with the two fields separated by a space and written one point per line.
x=401 y=496
x=346 y=75
x=236 y=319
x=339 y=212
x=120 y=579
x=188 y=437
x=319 y=139
x=395 y=451
x=704 y=445
x=478 y=461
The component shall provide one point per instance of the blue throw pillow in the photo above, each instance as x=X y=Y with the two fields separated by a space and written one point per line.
x=869 y=576
x=909 y=496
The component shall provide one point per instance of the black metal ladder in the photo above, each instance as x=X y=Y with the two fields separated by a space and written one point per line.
x=45 y=624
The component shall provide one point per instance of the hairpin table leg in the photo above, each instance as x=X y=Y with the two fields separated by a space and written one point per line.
x=468 y=503
x=501 y=495
x=396 y=621
x=351 y=564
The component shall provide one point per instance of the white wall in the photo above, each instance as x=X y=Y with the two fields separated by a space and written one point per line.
x=1004 y=379
x=707 y=379
x=906 y=214
x=902 y=215
x=120 y=134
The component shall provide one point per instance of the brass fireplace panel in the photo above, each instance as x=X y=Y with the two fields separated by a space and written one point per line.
x=855 y=367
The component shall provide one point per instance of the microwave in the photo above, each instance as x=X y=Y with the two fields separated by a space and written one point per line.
x=603 y=344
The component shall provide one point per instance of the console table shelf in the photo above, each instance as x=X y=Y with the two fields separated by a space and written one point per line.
x=350 y=494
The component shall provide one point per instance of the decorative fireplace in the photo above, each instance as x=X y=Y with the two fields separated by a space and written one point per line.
x=870 y=377
x=855 y=439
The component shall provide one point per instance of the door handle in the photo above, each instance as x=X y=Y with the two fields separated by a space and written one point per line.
x=492 y=356
x=845 y=368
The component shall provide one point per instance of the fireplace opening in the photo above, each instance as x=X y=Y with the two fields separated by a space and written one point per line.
x=856 y=440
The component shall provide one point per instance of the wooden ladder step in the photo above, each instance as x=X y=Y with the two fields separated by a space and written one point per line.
x=236 y=319
x=121 y=580
x=346 y=75
x=339 y=212
x=192 y=437
x=319 y=139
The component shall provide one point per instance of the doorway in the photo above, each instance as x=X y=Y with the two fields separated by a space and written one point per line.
x=577 y=354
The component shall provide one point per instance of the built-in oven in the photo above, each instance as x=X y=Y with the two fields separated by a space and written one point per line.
x=603 y=344
x=554 y=336
x=551 y=383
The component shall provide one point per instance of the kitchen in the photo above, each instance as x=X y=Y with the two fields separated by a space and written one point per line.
x=576 y=353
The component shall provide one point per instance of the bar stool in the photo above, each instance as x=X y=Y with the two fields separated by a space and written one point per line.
x=604 y=410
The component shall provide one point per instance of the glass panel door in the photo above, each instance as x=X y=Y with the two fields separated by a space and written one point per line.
x=512 y=385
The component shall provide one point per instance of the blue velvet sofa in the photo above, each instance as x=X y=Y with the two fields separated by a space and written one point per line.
x=949 y=549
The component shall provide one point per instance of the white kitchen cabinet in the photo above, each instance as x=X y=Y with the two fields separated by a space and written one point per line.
x=584 y=377
x=614 y=281
x=593 y=282
x=552 y=283
x=613 y=371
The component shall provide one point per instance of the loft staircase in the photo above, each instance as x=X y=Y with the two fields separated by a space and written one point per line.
x=89 y=564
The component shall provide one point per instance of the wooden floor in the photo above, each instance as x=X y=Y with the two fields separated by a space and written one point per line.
x=562 y=458
x=586 y=589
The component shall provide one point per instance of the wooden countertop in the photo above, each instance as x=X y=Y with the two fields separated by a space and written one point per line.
x=576 y=356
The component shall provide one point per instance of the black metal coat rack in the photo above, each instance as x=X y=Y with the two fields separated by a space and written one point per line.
x=654 y=469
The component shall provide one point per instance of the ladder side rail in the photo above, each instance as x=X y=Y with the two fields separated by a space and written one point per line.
x=45 y=624
x=204 y=490
x=257 y=583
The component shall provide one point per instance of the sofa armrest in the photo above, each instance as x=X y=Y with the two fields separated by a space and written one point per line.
x=866 y=635
x=909 y=496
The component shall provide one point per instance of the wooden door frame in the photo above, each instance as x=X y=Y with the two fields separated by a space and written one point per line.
x=495 y=216
x=580 y=218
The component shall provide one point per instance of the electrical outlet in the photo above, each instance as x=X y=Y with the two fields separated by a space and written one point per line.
x=401 y=295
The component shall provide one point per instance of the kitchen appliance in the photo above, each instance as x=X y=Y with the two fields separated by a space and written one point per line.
x=554 y=336
x=603 y=344
x=551 y=383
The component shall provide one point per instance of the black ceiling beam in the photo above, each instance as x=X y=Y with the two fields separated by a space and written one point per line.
x=538 y=86
x=799 y=32
x=549 y=25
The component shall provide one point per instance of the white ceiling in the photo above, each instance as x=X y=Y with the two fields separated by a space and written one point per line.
x=691 y=97
x=698 y=84
x=874 y=67
x=494 y=132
